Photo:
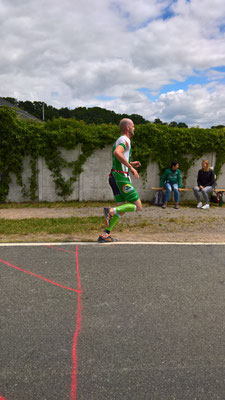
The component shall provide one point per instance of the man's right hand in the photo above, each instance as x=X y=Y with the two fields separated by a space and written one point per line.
x=134 y=172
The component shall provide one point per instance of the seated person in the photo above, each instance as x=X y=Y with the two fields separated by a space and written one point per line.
x=206 y=184
x=171 y=180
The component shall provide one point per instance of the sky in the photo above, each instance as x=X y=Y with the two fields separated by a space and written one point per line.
x=158 y=58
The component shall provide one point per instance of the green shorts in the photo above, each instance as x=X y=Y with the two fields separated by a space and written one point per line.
x=122 y=188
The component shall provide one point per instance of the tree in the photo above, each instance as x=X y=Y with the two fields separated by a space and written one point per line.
x=11 y=100
x=138 y=119
x=182 y=125
x=173 y=124
x=217 y=127
x=158 y=121
x=92 y=115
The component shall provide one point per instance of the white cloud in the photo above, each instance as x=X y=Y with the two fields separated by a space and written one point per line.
x=72 y=53
x=199 y=105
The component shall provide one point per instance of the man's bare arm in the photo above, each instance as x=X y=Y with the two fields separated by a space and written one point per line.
x=118 y=153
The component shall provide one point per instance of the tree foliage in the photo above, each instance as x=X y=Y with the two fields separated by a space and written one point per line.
x=92 y=115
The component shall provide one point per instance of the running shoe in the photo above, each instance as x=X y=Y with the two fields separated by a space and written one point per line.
x=205 y=207
x=106 y=238
x=107 y=216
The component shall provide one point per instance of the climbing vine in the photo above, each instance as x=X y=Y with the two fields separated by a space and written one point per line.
x=164 y=144
x=152 y=142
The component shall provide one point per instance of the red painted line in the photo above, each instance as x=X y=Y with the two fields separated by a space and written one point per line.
x=66 y=251
x=73 y=393
x=2 y=398
x=40 y=277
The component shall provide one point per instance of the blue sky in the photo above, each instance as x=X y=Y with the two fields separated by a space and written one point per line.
x=157 y=58
x=200 y=78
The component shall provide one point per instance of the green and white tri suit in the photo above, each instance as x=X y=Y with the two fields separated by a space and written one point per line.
x=119 y=178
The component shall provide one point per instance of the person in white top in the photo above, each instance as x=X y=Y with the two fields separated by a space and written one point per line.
x=124 y=192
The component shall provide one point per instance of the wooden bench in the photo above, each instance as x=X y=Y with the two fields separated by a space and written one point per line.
x=187 y=189
x=181 y=189
x=190 y=190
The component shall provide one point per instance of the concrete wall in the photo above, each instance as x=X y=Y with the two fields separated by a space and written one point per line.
x=15 y=190
x=46 y=185
x=93 y=181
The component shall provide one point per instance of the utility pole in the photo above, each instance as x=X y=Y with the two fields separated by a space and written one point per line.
x=43 y=111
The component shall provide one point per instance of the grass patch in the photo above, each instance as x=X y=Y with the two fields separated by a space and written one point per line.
x=172 y=220
x=57 y=204
x=69 y=225
x=50 y=225
x=63 y=204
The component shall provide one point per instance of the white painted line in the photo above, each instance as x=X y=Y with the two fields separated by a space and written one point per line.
x=115 y=243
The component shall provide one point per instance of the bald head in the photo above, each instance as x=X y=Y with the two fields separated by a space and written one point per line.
x=124 y=123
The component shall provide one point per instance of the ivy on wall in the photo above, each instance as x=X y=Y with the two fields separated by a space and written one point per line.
x=163 y=144
x=159 y=143
x=19 y=138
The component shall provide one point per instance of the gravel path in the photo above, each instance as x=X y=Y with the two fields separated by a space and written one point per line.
x=148 y=211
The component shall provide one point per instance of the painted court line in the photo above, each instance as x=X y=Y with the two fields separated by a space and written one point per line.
x=57 y=248
x=111 y=244
x=73 y=393
x=73 y=390
x=39 y=276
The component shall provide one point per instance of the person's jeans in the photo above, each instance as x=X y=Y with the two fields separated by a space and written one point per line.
x=171 y=187
x=205 y=191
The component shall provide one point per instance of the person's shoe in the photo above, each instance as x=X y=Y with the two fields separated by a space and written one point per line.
x=176 y=206
x=107 y=216
x=164 y=205
x=199 y=205
x=106 y=238
x=205 y=207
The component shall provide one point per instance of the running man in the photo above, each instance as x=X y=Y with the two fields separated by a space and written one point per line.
x=124 y=192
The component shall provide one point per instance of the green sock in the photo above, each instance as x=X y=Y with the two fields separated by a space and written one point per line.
x=113 y=222
x=126 y=208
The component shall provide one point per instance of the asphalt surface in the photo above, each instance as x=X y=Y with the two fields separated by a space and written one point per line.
x=152 y=322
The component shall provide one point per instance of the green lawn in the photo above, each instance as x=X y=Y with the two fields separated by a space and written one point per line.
x=57 y=204
x=50 y=225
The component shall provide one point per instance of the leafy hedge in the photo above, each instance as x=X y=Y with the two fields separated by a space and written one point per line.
x=159 y=143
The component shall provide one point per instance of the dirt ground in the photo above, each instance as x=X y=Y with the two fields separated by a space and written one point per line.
x=153 y=224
